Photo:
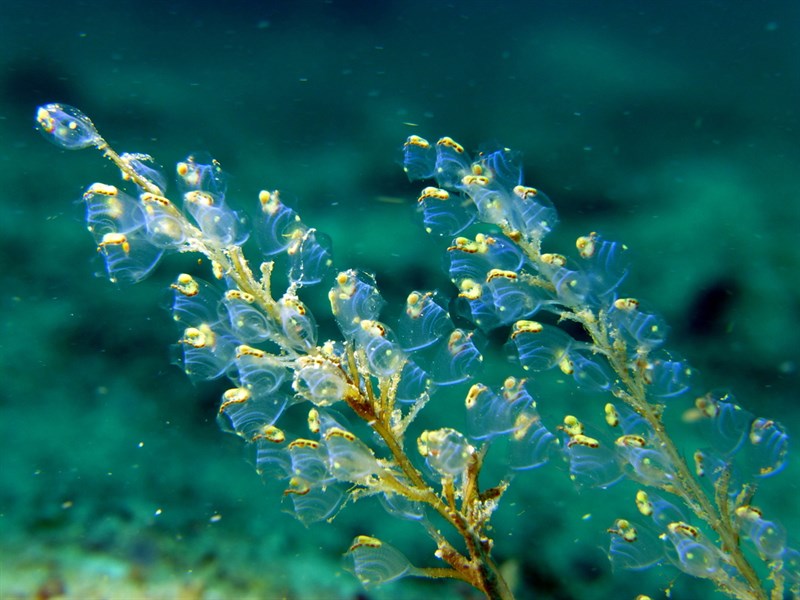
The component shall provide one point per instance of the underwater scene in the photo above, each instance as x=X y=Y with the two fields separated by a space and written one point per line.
x=393 y=299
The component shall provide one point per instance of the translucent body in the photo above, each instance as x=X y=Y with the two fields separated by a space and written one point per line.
x=206 y=349
x=446 y=451
x=279 y=230
x=422 y=322
x=320 y=381
x=66 y=126
x=118 y=223
x=692 y=553
x=374 y=562
x=767 y=536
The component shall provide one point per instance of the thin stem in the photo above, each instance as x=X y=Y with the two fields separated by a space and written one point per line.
x=480 y=571
x=442 y=573
x=688 y=487
x=126 y=169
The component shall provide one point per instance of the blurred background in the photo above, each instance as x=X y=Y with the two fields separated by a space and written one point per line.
x=671 y=126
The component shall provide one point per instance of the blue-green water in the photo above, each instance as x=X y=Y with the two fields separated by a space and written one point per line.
x=671 y=126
